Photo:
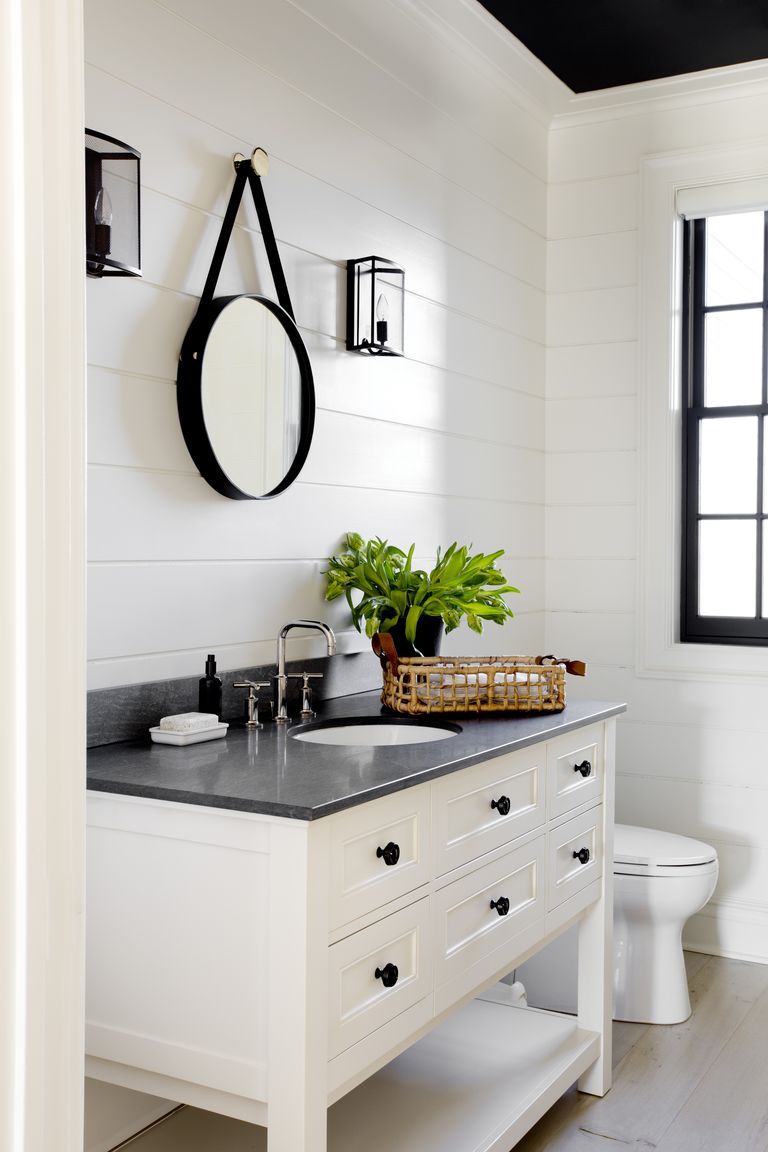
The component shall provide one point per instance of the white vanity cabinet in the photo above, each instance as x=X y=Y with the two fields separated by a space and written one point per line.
x=320 y=978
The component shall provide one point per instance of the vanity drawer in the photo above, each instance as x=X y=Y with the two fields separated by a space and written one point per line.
x=397 y=948
x=468 y=928
x=379 y=851
x=486 y=806
x=575 y=770
x=568 y=871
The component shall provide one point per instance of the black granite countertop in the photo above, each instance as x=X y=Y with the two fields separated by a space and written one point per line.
x=271 y=772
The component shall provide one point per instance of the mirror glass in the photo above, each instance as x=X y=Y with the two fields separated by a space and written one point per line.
x=251 y=392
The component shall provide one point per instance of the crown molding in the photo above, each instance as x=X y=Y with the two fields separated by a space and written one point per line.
x=739 y=81
x=468 y=29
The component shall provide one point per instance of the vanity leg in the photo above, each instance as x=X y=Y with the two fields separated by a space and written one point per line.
x=595 y=1007
x=297 y=1092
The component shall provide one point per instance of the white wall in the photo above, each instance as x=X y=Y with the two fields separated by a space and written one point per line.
x=388 y=134
x=691 y=751
x=374 y=148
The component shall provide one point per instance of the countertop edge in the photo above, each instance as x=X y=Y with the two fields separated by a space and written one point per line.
x=599 y=711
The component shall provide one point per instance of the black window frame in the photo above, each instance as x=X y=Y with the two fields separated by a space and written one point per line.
x=695 y=628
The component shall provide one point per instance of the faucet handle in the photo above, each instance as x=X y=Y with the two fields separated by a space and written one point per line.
x=253 y=699
x=306 y=691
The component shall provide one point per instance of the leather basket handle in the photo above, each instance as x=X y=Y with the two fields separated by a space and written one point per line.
x=384 y=647
x=573 y=667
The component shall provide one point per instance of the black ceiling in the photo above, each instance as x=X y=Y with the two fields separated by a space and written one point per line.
x=592 y=44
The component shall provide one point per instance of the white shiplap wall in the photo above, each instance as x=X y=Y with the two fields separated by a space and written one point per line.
x=419 y=134
x=691 y=752
x=388 y=134
x=374 y=148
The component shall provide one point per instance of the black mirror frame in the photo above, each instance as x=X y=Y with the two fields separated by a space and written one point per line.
x=190 y=397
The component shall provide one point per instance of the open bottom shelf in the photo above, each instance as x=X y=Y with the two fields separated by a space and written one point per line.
x=476 y=1083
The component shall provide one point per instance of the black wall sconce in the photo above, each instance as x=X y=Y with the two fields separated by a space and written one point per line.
x=375 y=306
x=112 y=210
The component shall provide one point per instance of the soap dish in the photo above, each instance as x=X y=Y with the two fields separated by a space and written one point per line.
x=163 y=736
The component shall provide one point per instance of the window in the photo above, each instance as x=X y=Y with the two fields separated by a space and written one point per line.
x=724 y=586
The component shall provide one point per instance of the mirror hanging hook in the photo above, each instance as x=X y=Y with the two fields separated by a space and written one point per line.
x=260 y=161
x=237 y=160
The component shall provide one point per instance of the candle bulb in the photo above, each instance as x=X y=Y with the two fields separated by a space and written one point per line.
x=382 y=316
x=102 y=214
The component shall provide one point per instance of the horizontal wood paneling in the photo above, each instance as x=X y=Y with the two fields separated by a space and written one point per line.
x=592 y=370
x=691 y=753
x=580 y=263
x=600 y=316
x=444 y=68
x=523 y=634
x=596 y=637
x=309 y=135
x=447 y=443
x=706 y=811
x=702 y=753
x=166 y=516
x=189 y=162
x=590 y=585
x=593 y=530
x=154 y=321
x=591 y=207
x=133 y=419
x=591 y=478
x=143 y=608
x=590 y=425
x=279 y=43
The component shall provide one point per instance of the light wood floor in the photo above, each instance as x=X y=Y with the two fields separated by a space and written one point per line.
x=701 y=1086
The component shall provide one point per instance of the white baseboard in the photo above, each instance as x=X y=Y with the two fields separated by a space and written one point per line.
x=736 y=931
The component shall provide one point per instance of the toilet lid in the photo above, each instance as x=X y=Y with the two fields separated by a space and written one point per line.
x=653 y=849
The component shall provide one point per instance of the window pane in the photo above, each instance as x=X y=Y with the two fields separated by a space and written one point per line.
x=727 y=557
x=733 y=357
x=734 y=273
x=728 y=465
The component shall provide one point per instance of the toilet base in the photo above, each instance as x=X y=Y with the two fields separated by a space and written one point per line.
x=650 y=981
x=649 y=913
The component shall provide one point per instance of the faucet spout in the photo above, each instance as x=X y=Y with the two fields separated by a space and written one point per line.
x=281 y=680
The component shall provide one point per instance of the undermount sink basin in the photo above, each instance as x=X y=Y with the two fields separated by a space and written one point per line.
x=375 y=731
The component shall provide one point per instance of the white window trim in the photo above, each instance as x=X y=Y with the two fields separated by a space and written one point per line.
x=659 y=651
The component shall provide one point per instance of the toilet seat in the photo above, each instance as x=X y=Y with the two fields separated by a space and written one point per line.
x=649 y=852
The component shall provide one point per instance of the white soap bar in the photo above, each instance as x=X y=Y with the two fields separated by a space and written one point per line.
x=189 y=722
x=160 y=736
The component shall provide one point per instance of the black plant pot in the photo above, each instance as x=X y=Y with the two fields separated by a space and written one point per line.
x=429 y=635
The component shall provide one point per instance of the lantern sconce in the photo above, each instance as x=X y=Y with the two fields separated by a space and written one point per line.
x=375 y=306
x=112 y=209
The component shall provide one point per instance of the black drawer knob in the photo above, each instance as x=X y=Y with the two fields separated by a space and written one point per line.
x=388 y=975
x=390 y=852
x=585 y=768
x=501 y=905
x=502 y=805
x=582 y=855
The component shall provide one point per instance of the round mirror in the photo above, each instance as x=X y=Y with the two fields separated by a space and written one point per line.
x=246 y=397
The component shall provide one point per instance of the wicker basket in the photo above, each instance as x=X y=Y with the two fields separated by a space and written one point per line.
x=419 y=685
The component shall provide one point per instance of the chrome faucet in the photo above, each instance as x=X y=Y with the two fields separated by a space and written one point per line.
x=281 y=680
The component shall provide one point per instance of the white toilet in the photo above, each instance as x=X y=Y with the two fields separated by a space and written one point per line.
x=660 y=880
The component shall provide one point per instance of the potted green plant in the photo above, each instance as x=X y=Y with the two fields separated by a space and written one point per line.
x=410 y=603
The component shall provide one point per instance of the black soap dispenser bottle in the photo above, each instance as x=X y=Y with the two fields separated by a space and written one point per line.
x=209 y=695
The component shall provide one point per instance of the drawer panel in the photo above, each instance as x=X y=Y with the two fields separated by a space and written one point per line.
x=396 y=947
x=486 y=806
x=567 y=873
x=575 y=770
x=467 y=928
x=379 y=851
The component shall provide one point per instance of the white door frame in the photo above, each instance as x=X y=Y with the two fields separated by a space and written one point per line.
x=42 y=575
